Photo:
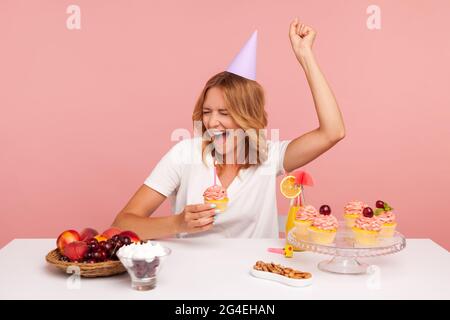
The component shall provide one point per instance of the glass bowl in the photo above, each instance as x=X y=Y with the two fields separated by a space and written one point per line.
x=143 y=271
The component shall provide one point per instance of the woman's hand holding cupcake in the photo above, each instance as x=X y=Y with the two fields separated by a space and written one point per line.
x=196 y=218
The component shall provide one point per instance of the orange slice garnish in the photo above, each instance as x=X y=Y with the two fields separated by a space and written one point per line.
x=289 y=188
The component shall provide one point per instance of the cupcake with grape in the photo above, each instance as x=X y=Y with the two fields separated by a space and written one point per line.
x=303 y=220
x=367 y=228
x=324 y=227
x=216 y=195
x=386 y=216
x=353 y=210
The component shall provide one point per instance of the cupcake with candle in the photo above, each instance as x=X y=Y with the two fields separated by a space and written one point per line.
x=367 y=228
x=353 y=210
x=216 y=195
x=303 y=220
x=386 y=216
x=324 y=227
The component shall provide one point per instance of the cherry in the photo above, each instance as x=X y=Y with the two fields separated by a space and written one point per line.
x=115 y=238
x=97 y=256
x=103 y=255
x=368 y=212
x=126 y=240
x=325 y=210
x=93 y=246
x=140 y=268
x=380 y=204
x=109 y=246
x=92 y=240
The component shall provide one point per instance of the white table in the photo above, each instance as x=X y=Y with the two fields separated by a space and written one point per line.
x=219 y=269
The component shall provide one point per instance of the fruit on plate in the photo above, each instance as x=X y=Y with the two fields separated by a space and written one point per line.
x=111 y=232
x=76 y=250
x=65 y=238
x=91 y=247
x=88 y=233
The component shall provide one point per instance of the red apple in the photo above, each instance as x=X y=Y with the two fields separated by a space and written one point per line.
x=88 y=233
x=76 y=250
x=111 y=232
x=65 y=238
x=130 y=234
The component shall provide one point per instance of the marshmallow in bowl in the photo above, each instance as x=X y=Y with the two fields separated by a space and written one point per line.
x=142 y=251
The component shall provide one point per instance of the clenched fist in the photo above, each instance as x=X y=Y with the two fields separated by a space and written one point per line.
x=302 y=38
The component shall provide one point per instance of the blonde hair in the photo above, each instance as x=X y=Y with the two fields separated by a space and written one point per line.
x=245 y=101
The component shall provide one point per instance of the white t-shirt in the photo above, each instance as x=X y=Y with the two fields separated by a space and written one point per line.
x=182 y=176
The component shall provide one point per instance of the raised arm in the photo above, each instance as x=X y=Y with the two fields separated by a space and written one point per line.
x=310 y=145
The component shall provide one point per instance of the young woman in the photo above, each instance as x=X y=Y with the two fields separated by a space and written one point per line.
x=229 y=102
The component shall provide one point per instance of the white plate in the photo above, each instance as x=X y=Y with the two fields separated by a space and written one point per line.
x=282 y=279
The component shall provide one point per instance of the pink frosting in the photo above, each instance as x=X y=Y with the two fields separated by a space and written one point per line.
x=215 y=193
x=306 y=213
x=324 y=222
x=387 y=217
x=369 y=224
x=354 y=207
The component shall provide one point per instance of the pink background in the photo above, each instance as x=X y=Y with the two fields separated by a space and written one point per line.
x=86 y=114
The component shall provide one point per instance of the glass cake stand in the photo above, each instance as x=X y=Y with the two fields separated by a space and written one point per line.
x=345 y=251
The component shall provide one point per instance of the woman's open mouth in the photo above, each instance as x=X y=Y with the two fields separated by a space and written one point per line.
x=219 y=135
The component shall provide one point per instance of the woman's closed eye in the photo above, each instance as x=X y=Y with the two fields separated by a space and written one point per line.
x=224 y=113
